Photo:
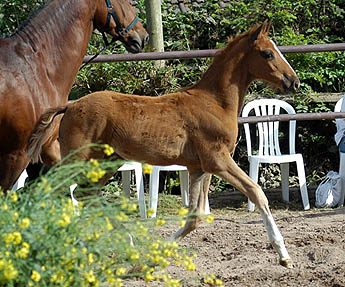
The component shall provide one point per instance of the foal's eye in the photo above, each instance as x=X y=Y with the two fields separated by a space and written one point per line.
x=267 y=54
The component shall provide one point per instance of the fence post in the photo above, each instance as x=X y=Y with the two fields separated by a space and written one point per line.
x=155 y=27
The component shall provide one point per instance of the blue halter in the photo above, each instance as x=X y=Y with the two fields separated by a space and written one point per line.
x=119 y=29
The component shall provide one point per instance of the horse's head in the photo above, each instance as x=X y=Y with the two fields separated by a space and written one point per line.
x=267 y=63
x=118 y=18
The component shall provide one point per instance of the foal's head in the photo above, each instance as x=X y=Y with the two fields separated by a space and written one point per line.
x=267 y=63
x=120 y=22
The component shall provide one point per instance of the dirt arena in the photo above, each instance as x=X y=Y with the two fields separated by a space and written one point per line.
x=235 y=246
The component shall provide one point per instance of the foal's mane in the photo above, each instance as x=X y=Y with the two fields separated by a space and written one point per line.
x=219 y=56
x=234 y=40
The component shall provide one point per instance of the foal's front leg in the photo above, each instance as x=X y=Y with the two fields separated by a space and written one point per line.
x=226 y=168
x=196 y=202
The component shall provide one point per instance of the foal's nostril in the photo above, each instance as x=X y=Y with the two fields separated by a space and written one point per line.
x=296 y=84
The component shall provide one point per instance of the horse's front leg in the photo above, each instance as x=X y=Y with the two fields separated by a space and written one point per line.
x=225 y=167
x=196 y=202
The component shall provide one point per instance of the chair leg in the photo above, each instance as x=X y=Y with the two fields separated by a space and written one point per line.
x=284 y=168
x=126 y=182
x=139 y=182
x=184 y=185
x=342 y=176
x=153 y=190
x=253 y=174
x=302 y=183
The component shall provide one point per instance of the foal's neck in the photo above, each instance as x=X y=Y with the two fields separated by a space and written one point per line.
x=227 y=79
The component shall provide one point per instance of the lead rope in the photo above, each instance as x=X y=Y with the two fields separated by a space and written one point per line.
x=106 y=44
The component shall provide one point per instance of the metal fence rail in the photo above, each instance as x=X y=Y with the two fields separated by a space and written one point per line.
x=207 y=53
x=289 y=117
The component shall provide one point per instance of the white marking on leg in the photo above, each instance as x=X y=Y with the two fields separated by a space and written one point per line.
x=274 y=235
x=74 y=201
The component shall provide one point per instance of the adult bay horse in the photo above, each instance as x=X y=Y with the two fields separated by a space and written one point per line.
x=38 y=65
x=196 y=127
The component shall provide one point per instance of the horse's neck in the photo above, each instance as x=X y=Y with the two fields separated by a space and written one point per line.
x=227 y=81
x=57 y=38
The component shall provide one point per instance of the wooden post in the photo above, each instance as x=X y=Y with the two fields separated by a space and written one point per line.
x=155 y=27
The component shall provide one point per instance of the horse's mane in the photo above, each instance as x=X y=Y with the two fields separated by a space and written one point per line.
x=28 y=20
x=43 y=17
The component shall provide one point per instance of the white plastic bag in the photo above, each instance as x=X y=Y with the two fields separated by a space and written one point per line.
x=328 y=192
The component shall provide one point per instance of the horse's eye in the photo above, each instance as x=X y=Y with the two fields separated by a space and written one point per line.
x=267 y=54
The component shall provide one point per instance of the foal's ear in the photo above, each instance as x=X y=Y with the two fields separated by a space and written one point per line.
x=254 y=36
x=266 y=27
x=262 y=29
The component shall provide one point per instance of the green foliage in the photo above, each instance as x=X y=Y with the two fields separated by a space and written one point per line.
x=46 y=241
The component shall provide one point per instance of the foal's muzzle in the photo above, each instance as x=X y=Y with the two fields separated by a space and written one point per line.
x=291 y=83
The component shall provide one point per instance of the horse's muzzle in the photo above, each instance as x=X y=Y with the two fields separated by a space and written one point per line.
x=136 y=44
x=290 y=83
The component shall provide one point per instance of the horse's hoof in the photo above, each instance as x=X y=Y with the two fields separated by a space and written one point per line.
x=286 y=262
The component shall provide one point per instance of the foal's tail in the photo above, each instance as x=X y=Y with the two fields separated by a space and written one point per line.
x=43 y=130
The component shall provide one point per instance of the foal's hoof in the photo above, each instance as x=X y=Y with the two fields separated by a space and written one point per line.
x=287 y=262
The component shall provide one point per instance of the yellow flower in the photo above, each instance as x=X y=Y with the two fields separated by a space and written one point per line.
x=22 y=253
x=95 y=175
x=147 y=168
x=209 y=218
x=17 y=238
x=2 y=264
x=15 y=216
x=150 y=212
x=4 y=207
x=149 y=276
x=108 y=225
x=14 y=197
x=108 y=150
x=8 y=238
x=24 y=223
x=183 y=211
x=65 y=220
x=94 y=162
x=160 y=222
x=90 y=258
x=120 y=271
x=10 y=272
x=35 y=276
x=90 y=277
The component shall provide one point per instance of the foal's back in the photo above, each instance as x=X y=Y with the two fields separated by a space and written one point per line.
x=156 y=130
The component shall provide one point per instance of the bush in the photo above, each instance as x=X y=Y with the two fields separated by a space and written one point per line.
x=45 y=241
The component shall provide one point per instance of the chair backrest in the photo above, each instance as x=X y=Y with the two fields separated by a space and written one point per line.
x=339 y=107
x=268 y=132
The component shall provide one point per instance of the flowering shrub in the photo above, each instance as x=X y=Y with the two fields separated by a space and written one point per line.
x=46 y=241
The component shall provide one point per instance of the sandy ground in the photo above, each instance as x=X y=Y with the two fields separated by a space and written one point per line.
x=235 y=246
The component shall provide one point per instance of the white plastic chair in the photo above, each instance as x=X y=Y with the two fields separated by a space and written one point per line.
x=184 y=185
x=20 y=181
x=269 y=149
x=126 y=170
x=340 y=123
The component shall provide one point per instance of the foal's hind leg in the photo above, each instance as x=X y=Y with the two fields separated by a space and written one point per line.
x=226 y=168
x=196 y=202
